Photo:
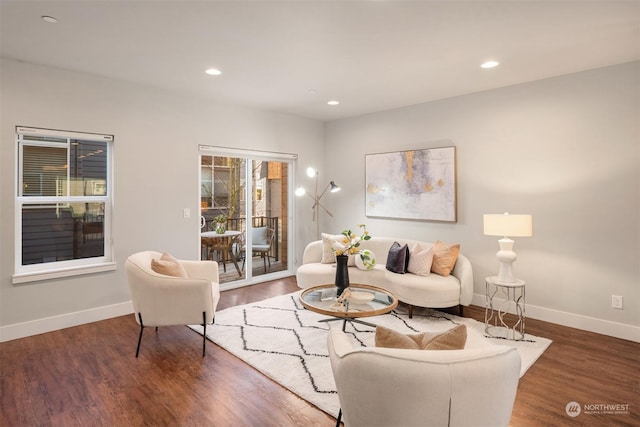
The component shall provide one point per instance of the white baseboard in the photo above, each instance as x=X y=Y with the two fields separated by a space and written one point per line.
x=572 y=320
x=54 y=323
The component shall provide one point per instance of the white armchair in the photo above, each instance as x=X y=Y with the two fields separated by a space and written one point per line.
x=391 y=387
x=160 y=300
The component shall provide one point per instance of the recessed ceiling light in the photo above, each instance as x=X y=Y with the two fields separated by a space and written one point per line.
x=333 y=102
x=49 y=19
x=490 y=64
x=213 y=71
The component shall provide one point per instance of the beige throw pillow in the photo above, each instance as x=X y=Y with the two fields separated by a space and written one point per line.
x=420 y=260
x=169 y=266
x=328 y=256
x=453 y=339
x=444 y=258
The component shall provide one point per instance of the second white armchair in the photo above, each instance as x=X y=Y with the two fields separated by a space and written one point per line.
x=393 y=387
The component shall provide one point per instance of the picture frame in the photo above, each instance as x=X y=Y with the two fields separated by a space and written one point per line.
x=412 y=184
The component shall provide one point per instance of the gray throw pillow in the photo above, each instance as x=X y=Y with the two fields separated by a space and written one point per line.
x=398 y=258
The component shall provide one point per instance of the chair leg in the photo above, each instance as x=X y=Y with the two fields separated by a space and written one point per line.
x=410 y=311
x=264 y=260
x=339 y=418
x=460 y=310
x=204 y=333
x=139 y=336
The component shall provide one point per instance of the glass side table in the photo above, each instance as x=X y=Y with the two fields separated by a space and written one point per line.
x=503 y=297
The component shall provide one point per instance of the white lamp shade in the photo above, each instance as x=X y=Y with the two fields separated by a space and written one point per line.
x=508 y=225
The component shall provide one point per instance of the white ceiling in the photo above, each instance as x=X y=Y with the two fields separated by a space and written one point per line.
x=370 y=55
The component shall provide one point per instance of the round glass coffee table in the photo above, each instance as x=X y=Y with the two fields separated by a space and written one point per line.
x=368 y=301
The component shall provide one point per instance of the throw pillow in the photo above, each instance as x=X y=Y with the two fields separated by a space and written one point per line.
x=398 y=258
x=453 y=339
x=444 y=257
x=420 y=260
x=168 y=265
x=259 y=236
x=369 y=261
x=328 y=256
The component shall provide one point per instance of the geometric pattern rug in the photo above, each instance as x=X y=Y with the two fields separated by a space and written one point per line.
x=287 y=343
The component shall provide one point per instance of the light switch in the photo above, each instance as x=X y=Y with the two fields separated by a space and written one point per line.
x=186 y=213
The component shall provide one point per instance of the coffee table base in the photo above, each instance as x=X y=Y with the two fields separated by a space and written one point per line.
x=348 y=319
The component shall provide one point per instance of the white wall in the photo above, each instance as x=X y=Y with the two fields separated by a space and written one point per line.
x=565 y=150
x=156 y=175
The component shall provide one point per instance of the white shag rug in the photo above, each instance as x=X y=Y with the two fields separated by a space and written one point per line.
x=286 y=342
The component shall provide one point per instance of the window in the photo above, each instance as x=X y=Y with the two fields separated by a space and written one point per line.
x=63 y=203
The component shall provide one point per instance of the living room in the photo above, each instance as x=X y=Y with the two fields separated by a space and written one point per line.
x=562 y=147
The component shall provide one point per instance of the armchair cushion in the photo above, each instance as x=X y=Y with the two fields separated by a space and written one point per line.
x=168 y=265
x=259 y=236
x=453 y=339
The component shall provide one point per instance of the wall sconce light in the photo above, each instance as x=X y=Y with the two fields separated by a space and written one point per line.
x=507 y=225
x=300 y=191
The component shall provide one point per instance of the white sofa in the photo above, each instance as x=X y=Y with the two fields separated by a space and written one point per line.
x=392 y=387
x=432 y=291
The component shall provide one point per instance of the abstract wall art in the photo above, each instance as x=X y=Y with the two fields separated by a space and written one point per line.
x=413 y=184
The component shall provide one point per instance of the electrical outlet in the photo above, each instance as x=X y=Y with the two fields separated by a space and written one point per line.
x=616 y=301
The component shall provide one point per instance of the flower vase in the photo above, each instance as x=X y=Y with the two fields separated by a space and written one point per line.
x=221 y=228
x=342 y=273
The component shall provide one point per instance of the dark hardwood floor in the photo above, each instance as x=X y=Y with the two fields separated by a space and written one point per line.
x=88 y=376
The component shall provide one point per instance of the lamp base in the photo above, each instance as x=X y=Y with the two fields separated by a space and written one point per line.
x=506 y=256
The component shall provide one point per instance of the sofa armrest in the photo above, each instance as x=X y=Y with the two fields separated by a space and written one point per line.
x=312 y=252
x=464 y=273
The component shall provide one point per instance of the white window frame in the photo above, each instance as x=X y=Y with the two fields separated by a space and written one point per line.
x=57 y=269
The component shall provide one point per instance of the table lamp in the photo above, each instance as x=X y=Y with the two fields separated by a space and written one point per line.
x=507 y=225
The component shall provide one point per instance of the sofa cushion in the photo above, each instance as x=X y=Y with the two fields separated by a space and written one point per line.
x=444 y=257
x=168 y=265
x=453 y=339
x=420 y=260
x=328 y=255
x=398 y=258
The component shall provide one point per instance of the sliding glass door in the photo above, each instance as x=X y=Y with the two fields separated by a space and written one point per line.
x=245 y=215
